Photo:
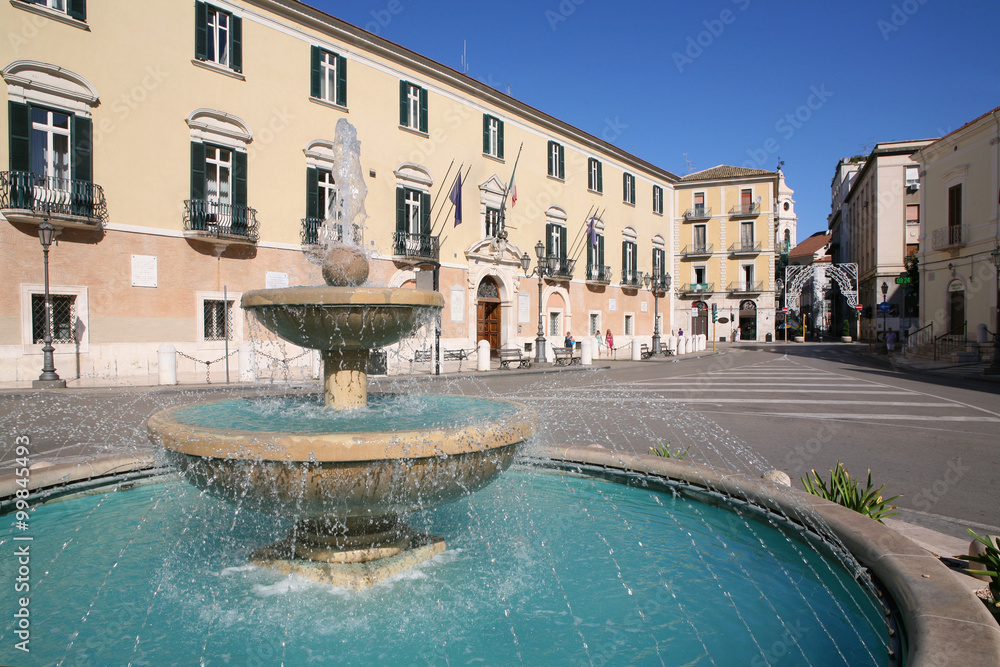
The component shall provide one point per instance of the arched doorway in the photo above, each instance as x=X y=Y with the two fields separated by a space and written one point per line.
x=488 y=314
x=699 y=318
x=956 y=305
x=748 y=320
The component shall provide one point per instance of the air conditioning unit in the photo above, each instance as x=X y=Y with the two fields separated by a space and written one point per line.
x=913 y=185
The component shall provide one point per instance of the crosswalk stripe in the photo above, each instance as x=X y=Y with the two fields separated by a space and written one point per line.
x=709 y=401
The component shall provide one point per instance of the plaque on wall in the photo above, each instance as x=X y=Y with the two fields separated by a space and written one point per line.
x=143 y=270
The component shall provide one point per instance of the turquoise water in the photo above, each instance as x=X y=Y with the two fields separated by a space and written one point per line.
x=307 y=414
x=542 y=568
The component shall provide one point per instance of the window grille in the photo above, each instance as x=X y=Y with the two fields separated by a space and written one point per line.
x=62 y=319
x=218 y=320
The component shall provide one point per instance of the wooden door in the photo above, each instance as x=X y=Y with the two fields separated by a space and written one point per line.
x=488 y=324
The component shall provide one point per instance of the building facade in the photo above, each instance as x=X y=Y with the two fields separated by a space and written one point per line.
x=960 y=229
x=203 y=166
x=728 y=226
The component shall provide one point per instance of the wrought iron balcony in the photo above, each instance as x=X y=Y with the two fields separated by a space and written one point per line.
x=28 y=197
x=698 y=213
x=631 y=279
x=745 y=211
x=314 y=233
x=599 y=274
x=949 y=237
x=745 y=288
x=698 y=288
x=698 y=250
x=563 y=269
x=416 y=247
x=215 y=221
x=745 y=248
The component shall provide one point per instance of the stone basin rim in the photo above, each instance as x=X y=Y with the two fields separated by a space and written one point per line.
x=322 y=295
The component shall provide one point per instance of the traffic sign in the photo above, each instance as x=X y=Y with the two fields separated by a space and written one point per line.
x=883 y=307
x=784 y=310
x=859 y=307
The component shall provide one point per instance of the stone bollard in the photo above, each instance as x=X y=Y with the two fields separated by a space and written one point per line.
x=680 y=346
x=483 y=356
x=703 y=342
x=636 y=350
x=671 y=344
x=689 y=345
x=167 y=361
x=586 y=354
x=246 y=362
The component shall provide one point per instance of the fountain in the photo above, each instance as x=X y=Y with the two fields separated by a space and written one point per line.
x=347 y=480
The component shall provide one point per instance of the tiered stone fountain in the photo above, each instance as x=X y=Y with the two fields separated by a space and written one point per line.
x=347 y=486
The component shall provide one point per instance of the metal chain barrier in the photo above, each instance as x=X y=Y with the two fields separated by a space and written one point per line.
x=208 y=364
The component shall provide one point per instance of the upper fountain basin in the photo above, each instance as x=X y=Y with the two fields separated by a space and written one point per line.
x=344 y=318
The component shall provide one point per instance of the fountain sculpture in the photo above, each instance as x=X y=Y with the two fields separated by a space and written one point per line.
x=347 y=485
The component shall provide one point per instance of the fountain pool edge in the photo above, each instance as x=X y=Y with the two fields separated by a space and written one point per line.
x=944 y=623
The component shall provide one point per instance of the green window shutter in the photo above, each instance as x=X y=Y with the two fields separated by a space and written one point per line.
x=548 y=159
x=404 y=107
x=400 y=210
x=500 y=139
x=83 y=137
x=624 y=259
x=77 y=9
x=562 y=162
x=425 y=213
x=312 y=192
x=562 y=242
x=600 y=177
x=342 y=81
x=591 y=251
x=548 y=238
x=631 y=189
x=239 y=178
x=314 y=71
x=423 y=109
x=635 y=260
x=236 y=43
x=486 y=134
x=600 y=250
x=197 y=170
x=200 y=31
x=20 y=136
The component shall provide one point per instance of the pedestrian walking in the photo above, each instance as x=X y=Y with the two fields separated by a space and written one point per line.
x=569 y=342
x=890 y=342
x=736 y=335
x=610 y=342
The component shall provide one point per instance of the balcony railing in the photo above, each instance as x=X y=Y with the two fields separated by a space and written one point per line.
x=698 y=213
x=745 y=210
x=416 y=246
x=698 y=250
x=745 y=288
x=631 y=279
x=313 y=231
x=597 y=273
x=41 y=196
x=949 y=237
x=221 y=221
x=563 y=269
x=698 y=288
x=745 y=248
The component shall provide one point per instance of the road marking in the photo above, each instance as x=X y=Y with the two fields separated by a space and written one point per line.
x=883 y=417
x=710 y=401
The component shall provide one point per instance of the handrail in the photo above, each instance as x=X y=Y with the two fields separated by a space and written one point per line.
x=951 y=340
x=921 y=336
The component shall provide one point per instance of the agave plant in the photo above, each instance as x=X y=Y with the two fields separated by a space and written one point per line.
x=665 y=451
x=991 y=559
x=847 y=491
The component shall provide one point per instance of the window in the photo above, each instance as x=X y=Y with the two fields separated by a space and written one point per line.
x=492 y=136
x=412 y=106
x=699 y=203
x=699 y=275
x=413 y=222
x=913 y=214
x=630 y=274
x=595 y=324
x=62 y=318
x=492 y=221
x=557 y=167
x=748 y=276
x=50 y=140
x=74 y=8
x=321 y=205
x=218 y=319
x=595 y=180
x=659 y=264
x=554 y=325
x=912 y=177
x=328 y=81
x=595 y=259
x=699 y=235
x=746 y=235
x=218 y=37
x=555 y=245
x=628 y=188
x=219 y=190
x=955 y=214
x=629 y=329
x=657 y=199
x=746 y=201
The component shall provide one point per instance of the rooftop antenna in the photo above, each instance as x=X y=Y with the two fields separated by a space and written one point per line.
x=688 y=164
x=869 y=145
x=465 y=59
x=781 y=163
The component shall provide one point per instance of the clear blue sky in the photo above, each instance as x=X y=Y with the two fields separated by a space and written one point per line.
x=739 y=82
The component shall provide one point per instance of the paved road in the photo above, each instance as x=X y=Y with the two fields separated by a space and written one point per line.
x=794 y=408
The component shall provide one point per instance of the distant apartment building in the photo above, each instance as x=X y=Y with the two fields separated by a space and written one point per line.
x=728 y=226
x=875 y=223
x=814 y=304
x=960 y=200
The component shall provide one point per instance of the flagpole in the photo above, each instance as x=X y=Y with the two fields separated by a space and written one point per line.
x=503 y=202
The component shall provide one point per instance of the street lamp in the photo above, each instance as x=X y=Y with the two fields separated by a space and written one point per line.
x=780 y=284
x=544 y=267
x=885 y=311
x=49 y=377
x=994 y=368
x=658 y=285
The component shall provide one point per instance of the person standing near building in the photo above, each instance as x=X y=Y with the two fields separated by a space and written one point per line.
x=569 y=342
x=736 y=335
x=890 y=342
x=609 y=340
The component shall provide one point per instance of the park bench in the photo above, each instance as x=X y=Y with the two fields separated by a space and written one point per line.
x=564 y=356
x=424 y=356
x=513 y=354
x=646 y=352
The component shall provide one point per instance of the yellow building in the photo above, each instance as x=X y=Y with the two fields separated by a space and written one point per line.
x=728 y=223
x=200 y=167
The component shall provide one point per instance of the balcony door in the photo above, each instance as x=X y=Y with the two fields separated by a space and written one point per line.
x=699 y=321
x=748 y=320
x=488 y=321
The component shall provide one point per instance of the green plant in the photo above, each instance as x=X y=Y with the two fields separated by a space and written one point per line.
x=844 y=490
x=991 y=559
x=846 y=329
x=664 y=451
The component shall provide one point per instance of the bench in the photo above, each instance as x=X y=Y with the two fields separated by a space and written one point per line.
x=564 y=356
x=513 y=354
x=423 y=356
x=646 y=352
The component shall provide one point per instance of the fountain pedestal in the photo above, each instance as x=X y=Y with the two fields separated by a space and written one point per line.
x=345 y=378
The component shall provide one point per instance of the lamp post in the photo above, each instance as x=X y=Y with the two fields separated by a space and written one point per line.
x=658 y=285
x=885 y=292
x=994 y=368
x=48 y=377
x=544 y=267
x=780 y=284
